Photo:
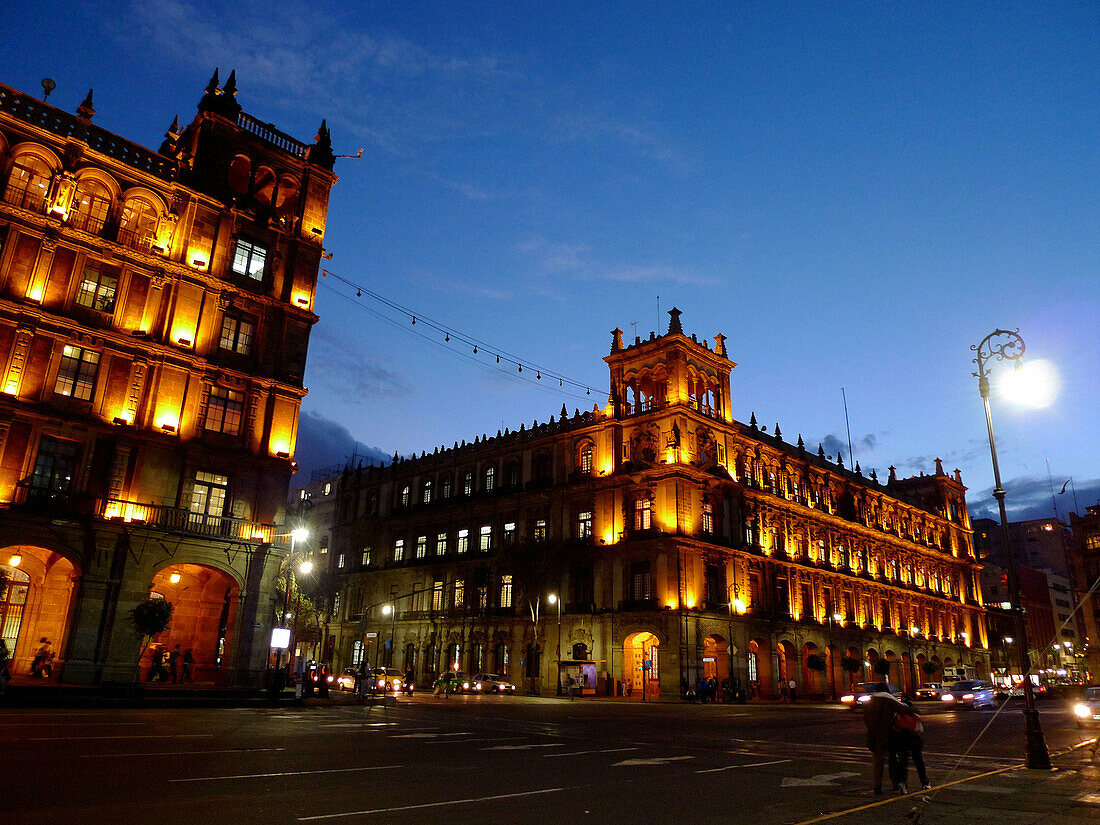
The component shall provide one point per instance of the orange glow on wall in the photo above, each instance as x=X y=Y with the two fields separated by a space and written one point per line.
x=183 y=335
x=198 y=258
x=126 y=511
x=168 y=420
x=689 y=601
x=35 y=293
x=609 y=537
x=302 y=299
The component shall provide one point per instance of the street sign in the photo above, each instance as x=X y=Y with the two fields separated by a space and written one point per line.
x=372 y=635
x=280 y=638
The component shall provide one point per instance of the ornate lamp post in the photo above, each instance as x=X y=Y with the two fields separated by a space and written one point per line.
x=1004 y=345
x=833 y=617
x=553 y=599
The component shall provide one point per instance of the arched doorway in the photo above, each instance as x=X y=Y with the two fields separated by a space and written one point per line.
x=787 y=656
x=814 y=669
x=716 y=657
x=204 y=608
x=759 y=667
x=894 y=674
x=851 y=677
x=35 y=605
x=641 y=665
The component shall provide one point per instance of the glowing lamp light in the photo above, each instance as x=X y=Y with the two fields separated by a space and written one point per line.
x=551 y=599
x=387 y=609
x=167 y=427
x=739 y=605
x=174 y=578
x=282 y=454
x=305 y=568
x=609 y=537
x=185 y=342
x=689 y=602
x=301 y=300
x=15 y=560
x=1031 y=384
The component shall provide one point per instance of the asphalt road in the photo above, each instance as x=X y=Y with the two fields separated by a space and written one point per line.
x=482 y=759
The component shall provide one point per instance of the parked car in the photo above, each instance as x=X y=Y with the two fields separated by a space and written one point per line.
x=1003 y=693
x=862 y=694
x=969 y=693
x=492 y=683
x=388 y=678
x=930 y=690
x=462 y=682
x=346 y=680
x=1087 y=710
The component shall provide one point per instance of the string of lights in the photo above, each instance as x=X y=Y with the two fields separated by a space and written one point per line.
x=481 y=352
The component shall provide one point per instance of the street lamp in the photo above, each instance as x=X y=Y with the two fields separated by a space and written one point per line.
x=296 y=535
x=387 y=610
x=1003 y=345
x=833 y=617
x=391 y=611
x=913 y=631
x=553 y=599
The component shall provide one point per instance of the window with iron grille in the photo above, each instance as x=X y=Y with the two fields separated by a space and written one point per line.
x=462 y=543
x=224 y=411
x=54 y=466
x=542 y=531
x=485 y=542
x=584 y=524
x=77 y=373
x=421 y=547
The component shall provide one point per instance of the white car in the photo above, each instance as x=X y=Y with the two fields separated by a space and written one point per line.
x=862 y=694
x=969 y=693
x=1087 y=711
x=492 y=683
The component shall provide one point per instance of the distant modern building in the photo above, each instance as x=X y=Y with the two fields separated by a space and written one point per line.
x=155 y=308
x=1086 y=542
x=643 y=545
x=1041 y=619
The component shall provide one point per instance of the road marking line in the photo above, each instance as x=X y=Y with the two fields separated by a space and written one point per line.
x=431 y=735
x=581 y=753
x=434 y=804
x=177 y=753
x=524 y=747
x=287 y=773
x=140 y=736
x=749 y=765
x=654 y=760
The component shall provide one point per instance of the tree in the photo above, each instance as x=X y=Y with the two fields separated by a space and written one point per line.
x=147 y=620
x=882 y=667
x=930 y=668
x=816 y=663
x=852 y=666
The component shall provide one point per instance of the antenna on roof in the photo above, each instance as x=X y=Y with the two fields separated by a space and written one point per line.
x=851 y=463
x=47 y=86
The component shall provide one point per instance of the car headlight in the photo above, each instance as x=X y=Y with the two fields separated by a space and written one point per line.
x=465 y=685
x=865 y=698
x=848 y=699
x=968 y=696
x=396 y=684
x=1082 y=710
x=947 y=697
x=477 y=685
x=330 y=680
x=381 y=683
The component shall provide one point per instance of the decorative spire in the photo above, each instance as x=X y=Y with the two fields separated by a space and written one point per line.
x=171 y=137
x=893 y=474
x=778 y=432
x=840 y=460
x=801 y=446
x=939 y=468
x=720 y=344
x=174 y=130
x=230 y=87
x=564 y=412
x=859 y=472
x=874 y=475
x=752 y=421
x=212 y=86
x=85 y=109
x=820 y=450
x=958 y=476
x=616 y=340
x=674 y=327
x=320 y=153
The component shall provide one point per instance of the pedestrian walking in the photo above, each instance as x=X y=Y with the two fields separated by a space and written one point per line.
x=156 y=665
x=407 y=683
x=878 y=718
x=188 y=663
x=703 y=690
x=793 y=689
x=173 y=664
x=42 y=659
x=908 y=742
x=783 y=690
x=570 y=686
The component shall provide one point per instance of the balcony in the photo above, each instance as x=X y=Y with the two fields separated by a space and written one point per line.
x=179 y=520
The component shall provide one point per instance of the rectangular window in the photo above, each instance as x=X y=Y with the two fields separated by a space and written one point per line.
x=97 y=290
x=399 y=550
x=542 y=531
x=468 y=485
x=441 y=544
x=463 y=542
x=482 y=597
x=237 y=333
x=421 y=547
x=446 y=488
x=417 y=595
x=365 y=558
x=485 y=542
x=584 y=524
x=76 y=375
x=249 y=259
x=641 y=582
x=460 y=594
x=54 y=467
x=708 y=517
x=506 y=591
x=208 y=495
x=643 y=514
x=340 y=562
x=509 y=533
x=224 y=411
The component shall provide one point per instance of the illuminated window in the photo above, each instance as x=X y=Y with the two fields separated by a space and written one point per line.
x=237 y=333
x=208 y=496
x=584 y=524
x=426 y=492
x=506 y=591
x=28 y=183
x=641 y=582
x=446 y=488
x=509 y=533
x=97 y=290
x=399 y=550
x=708 y=517
x=459 y=594
x=327 y=489
x=643 y=514
x=586 y=458
x=91 y=205
x=1092 y=542
x=441 y=544
x=421 y=547
x=462 y=544
x=468 y=484
x=485 y=541
x=437 y=596
x=542 y=531
x=224 y=411
x=340 y=561
x=54 y=467
x=249 y=259
x=490 y=479
x=405 y=496
x=365 y=557
x=77 y=373
x=138 y=227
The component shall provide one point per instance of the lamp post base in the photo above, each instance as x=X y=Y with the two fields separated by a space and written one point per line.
x=1037 y=757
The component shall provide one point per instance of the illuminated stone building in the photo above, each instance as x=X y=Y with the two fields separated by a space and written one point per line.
x=1086 y=552
x=155 y=310
x=680 y=543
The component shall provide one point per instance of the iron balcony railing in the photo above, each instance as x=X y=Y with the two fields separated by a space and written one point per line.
x=179 y=520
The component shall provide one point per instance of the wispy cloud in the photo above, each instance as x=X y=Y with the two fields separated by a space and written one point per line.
x=349 y=375
x=578 y=127
x=1028 y=497
x=573 y=260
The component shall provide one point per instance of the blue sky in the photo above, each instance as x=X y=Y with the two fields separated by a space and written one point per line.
x=852 y=193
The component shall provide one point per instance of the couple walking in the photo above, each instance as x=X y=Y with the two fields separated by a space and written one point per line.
x=894 y=733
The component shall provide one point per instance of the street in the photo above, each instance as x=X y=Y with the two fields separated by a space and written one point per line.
x=494 y=759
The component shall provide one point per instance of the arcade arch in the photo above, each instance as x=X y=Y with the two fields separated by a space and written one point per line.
x=642 y=680
x=36 y=604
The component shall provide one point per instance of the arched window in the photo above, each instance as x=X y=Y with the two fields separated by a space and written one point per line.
x=28 y=183
x=240 y=172
x=138 y=227
x=585 y=458
x=91 y=205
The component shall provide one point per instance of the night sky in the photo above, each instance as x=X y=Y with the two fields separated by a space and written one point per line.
x=852 y=193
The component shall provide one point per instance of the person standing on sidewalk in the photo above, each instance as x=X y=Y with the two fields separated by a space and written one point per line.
x=878 y=717
x=909 y=739
x=174 y=663
x=793 y=689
